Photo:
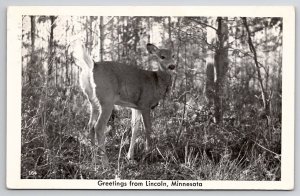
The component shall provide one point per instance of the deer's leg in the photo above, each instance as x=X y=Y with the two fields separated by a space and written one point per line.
x=135 y=122
x=106 y=110
x=94 y=115
x=147 y=124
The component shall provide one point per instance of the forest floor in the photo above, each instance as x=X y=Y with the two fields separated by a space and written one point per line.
x=54 y=145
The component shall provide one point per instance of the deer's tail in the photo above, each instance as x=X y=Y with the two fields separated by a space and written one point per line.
x=81 y=56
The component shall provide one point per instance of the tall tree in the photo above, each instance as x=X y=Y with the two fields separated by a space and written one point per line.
x=51 y=47
x=101 y=28
x=32 y=52
x=67 y=73
x=170 y=33
x=221 y=66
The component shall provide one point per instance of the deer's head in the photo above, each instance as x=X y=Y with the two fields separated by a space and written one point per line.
x=164 y=56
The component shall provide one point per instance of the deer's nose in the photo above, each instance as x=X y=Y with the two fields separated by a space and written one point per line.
x=171 y=67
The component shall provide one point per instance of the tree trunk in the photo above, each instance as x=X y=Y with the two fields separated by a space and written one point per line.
x=67 y=57
x=32 y=34
x=101 y=28
x=136 y=33
x=51 y=48
x=136 y=40
x=170 y=33
x=177 y=56
x=221 y=66
x=148 y=38
x=125 y=39
x=32 y=55
x=210 y=84
x=87 y=33
x=118 y=34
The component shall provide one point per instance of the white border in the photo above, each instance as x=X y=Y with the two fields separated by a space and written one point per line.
x=14 y=15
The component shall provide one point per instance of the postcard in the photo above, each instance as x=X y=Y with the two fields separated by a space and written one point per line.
x=156 y=97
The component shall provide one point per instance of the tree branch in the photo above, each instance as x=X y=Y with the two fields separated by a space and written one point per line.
x=201 y=23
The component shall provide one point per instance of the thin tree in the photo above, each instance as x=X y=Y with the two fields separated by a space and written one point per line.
x=51 y=47
x=32 y=52
x=259 y=77
x=101 y=28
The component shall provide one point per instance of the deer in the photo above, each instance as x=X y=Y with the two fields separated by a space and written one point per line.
x=110 y=83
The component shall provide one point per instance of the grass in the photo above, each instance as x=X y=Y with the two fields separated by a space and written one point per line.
x=54 y=144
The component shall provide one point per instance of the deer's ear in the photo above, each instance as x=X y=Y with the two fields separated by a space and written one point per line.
x=152 y=49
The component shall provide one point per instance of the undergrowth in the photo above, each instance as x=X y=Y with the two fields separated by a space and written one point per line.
x=184 y=147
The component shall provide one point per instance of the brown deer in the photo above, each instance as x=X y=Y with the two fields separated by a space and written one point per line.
x=111 y=83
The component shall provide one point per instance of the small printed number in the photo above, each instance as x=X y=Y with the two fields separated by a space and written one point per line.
x=32 y=173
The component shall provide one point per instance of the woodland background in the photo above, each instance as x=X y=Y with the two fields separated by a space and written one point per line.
x=221 y=120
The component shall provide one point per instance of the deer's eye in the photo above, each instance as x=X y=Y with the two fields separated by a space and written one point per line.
x=173 y=56
x=162 y=57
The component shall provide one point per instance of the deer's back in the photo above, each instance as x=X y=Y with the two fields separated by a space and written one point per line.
x=126 y=85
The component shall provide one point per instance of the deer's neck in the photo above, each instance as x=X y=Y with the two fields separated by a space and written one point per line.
x=164 y=82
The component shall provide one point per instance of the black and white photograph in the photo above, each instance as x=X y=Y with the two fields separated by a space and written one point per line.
x=151 y=99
